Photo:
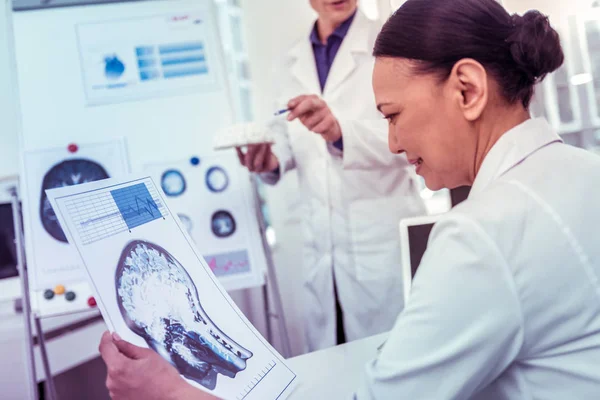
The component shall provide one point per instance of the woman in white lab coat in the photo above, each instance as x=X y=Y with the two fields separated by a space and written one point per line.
x=506 y=302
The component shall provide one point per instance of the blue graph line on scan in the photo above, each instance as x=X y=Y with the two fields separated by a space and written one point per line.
x=136 y=205
x=66 y=173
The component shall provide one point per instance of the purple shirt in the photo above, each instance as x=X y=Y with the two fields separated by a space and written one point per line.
x=325 y=54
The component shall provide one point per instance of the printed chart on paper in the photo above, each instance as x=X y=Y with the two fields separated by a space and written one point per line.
x=156 y=290
x=102 y=214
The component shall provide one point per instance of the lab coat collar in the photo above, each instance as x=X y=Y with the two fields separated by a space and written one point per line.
x=355 y=42
x=513 y=148
x=302 y=59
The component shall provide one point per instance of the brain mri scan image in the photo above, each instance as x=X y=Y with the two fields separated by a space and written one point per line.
x=223 y=224
x=173 y=183
x=216 y=179
x=66 y=173
x=160 y=303
x=187 y=222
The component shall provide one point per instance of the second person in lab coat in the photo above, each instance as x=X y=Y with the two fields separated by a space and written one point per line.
x=354 y=191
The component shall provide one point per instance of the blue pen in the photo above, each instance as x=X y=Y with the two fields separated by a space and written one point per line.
x=281 y=111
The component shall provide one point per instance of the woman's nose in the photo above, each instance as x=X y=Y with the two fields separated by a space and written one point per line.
x=393 y=142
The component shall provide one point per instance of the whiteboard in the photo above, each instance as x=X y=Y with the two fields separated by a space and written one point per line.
x=55 y=96
x=149 y=71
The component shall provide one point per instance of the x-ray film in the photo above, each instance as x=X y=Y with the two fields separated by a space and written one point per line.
x=173 y=183
x=66 y=173
x=156 y=290
x=50 y=259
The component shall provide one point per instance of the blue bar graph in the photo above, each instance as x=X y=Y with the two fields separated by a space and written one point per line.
x=177 y=48
x=177 y=73
x=175 y=60
x=183 y=60
x=144 y=51
x=147 y=75
x=146 y=62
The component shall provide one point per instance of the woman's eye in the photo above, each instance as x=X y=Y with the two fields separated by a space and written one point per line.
x=391 y=118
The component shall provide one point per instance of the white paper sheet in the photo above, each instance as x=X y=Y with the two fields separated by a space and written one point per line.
x=154 y=288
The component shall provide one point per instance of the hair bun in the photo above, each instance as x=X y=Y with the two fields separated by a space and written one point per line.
x=535 y=45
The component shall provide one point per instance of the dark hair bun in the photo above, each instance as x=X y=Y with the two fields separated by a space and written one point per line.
x=535 y=45
x=517 y=51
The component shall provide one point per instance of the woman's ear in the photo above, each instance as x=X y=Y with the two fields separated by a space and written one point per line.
x=469 y=82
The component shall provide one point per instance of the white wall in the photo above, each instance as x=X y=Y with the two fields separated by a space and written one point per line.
x=554 y=8
x=8 y=125
x=558 y=11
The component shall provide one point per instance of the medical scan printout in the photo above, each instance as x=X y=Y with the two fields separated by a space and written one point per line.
x=155 y=289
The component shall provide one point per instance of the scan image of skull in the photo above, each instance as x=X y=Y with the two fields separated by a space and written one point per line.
x=160 y=303
x=223 y=224
x=66 y=173
x=173 y=183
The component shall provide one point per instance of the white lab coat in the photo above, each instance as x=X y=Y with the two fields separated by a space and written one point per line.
x=506 y=302
x=352 y=202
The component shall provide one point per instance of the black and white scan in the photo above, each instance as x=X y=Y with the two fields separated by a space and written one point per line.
x=160 y=303
x=66 y=173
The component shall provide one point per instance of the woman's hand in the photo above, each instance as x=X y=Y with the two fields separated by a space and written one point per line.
x=139 y=373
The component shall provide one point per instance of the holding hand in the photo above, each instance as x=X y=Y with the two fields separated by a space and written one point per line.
x=138 y=373
x=314 y=113
x=258 y=158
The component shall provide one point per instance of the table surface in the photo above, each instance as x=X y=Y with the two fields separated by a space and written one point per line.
x=334 y=373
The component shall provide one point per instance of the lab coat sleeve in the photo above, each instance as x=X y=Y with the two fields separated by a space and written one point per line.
x=461 y=327
x=281 y=149
x=366 y=145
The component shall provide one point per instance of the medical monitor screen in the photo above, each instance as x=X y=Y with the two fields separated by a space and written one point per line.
x=8 y=257
x=418 y=235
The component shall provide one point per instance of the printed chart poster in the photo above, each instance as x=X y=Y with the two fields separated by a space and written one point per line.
x=147 y=57
x=51 y=261
x=156 y=290
x=212 y=196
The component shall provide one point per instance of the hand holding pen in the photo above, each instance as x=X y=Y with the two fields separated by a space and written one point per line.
x=314 y=113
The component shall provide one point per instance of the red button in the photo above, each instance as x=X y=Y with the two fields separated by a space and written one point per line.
x=73 y=148
x=92 y=302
